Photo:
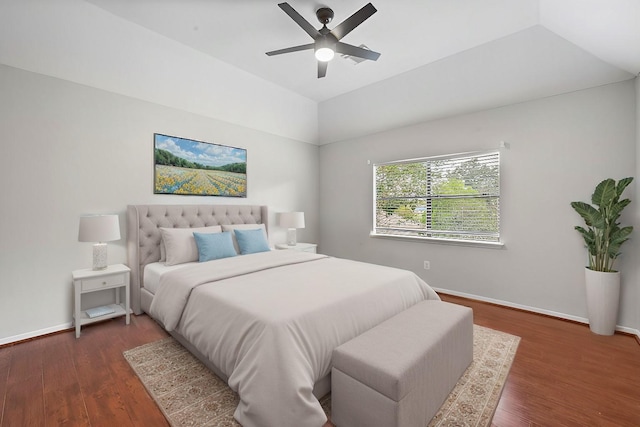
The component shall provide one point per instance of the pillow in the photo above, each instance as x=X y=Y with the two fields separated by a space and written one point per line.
x=232 y=227
x=180 y=245
x=251 y=241
x=214 y=246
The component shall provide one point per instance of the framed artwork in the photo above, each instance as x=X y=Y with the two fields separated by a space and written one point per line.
x=189 y=167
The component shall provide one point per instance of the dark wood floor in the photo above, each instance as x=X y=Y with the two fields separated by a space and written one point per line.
x=562 y=375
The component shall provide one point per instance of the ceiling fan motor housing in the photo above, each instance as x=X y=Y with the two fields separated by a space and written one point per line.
x=325 y=15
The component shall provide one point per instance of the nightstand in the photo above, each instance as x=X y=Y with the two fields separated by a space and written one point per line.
x=85 y=281
x=302 y=247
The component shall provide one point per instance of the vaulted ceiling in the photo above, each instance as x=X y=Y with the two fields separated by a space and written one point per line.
x=439 y=57
x=409 y=34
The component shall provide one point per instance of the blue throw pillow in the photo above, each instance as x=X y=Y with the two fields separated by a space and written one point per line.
x=214 y=246
x=251 y=241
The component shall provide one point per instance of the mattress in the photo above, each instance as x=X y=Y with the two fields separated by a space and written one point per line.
x=271 y=321
x=154 y=271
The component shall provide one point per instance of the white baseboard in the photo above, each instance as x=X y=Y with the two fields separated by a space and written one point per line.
x=636 y=332
x=28 y=335
x=584 y=320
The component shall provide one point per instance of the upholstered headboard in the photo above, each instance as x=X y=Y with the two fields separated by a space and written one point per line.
x=143 y=231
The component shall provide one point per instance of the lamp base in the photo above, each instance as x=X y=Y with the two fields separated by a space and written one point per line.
x=99 y=256
x=291 y=237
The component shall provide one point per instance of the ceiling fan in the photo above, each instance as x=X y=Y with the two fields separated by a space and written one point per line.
x=327 y=42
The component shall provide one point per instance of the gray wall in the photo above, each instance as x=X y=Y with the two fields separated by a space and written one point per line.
x=528 y=64
x=636 y=240
x=560 y=148
x=78 y=41
x=69 y=150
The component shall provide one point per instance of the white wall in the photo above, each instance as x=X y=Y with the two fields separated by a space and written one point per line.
x=68 y=150
x=637 y=199
x=77 y=41
x=526 y=65
x=561 y=147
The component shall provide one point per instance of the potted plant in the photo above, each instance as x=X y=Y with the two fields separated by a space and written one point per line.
x=603 y=237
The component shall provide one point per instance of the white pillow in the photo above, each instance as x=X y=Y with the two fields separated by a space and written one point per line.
x=180 y=245
x=231 y=227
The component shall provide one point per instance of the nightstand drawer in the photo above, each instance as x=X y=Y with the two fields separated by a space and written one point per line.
x=113 y=278
x=102 y=282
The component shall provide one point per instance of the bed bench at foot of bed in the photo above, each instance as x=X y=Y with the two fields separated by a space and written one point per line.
x=400 y=372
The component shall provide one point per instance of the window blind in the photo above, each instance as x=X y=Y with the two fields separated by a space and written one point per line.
x=454 y=197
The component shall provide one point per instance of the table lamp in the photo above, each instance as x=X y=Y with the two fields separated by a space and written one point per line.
x=292 y=221
x=99 y=229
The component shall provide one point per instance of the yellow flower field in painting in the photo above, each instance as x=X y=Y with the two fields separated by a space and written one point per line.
x=176 y=180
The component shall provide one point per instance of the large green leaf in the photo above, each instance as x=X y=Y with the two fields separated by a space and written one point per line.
x=617 y=238
x=589 y=238
x=592 y=217
x=605 y=193
x=622 y=184
x=617 y=208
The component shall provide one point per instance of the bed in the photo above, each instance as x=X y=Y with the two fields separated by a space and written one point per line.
x=265 y=322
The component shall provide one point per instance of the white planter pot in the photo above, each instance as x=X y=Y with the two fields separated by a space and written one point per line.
x=603 y=299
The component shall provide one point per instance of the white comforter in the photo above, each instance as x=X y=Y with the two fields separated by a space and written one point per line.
x=270 y=321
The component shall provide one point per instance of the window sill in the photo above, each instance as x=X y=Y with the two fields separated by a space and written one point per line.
x=489 y=245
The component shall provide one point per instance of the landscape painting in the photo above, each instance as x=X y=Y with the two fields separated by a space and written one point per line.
x=189 y=167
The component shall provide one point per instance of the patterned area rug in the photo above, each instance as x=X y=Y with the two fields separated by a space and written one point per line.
x=190 y=395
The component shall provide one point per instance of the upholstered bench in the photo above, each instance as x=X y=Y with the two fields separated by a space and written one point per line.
x=400 y=372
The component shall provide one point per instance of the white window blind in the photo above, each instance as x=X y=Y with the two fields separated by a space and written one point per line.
x=454 y=197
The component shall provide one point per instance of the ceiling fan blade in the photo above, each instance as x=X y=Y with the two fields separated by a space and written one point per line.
x=351 y=50
x=303 y=23
x=291 y=49
x=322 y=69
x=353 y=21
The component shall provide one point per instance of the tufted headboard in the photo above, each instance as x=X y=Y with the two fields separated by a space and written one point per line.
x=143 y=231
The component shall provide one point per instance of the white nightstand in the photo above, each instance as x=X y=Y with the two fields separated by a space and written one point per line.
x=113 y=277
x=303 y=247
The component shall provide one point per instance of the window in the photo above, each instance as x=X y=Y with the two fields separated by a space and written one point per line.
x=453 y=197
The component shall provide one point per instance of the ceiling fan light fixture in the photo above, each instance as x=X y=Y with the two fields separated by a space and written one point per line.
x=324 y=54
x=327 y=42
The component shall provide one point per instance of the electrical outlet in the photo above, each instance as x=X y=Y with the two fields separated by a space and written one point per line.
x=427 y=265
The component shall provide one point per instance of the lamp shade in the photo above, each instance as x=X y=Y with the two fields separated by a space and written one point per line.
x=99 y=228
x=292 y=219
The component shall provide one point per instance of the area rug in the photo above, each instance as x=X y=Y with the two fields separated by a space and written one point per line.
x=189 y=394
